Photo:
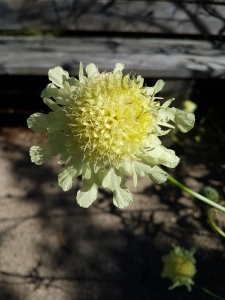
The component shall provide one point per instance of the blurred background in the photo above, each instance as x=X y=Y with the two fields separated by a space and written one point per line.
x=50 y=248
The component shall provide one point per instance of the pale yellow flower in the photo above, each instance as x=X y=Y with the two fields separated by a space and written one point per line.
x=179 y=267
x=105 y=126
x=189 y=106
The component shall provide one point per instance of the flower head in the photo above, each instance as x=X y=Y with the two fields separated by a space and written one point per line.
x=105 y=126
x=179 y=267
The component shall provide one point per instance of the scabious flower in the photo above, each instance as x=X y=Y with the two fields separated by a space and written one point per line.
x=179 y=267
x=105 y=126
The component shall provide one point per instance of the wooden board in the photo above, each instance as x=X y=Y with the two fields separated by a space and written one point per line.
x=149 y=57
x=167 y=17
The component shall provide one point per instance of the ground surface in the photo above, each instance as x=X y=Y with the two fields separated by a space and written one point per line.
x=52 y=249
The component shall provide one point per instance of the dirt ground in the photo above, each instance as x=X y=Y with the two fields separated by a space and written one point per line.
x=52 y=249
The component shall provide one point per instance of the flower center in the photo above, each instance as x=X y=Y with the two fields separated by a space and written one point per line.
x=184 y=267
x=111 y=118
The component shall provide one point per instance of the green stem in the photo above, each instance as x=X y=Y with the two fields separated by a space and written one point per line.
x=196 y=195
x=212 y=294
x=213 y=224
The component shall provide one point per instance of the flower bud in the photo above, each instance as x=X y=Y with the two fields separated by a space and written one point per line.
x=210 y=193
x=179 y=267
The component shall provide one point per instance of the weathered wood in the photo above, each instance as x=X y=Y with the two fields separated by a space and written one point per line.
x=166 y=17
x=149 y=57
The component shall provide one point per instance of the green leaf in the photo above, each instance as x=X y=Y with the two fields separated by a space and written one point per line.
x=57 y=75
x=37 y=122
x=40 y=153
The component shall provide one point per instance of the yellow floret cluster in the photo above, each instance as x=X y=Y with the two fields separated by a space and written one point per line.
x=111 y=119
x=179 y=266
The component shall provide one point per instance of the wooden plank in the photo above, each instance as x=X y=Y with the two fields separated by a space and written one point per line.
x=149 y=57
x=166 y=17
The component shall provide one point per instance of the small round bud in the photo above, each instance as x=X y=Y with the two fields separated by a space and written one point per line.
x=210 y=193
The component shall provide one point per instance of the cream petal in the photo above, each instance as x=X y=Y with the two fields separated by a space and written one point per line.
x=72 y=170
x=65 y=180
x=81 y=73
x=128 y=167
x=87 y=170
x=159 y=86
x=92 y=70
x=142 y=168
x=112 y=180
x=51 y=104
x=118 y=67
x=59 y=94
x=57 y=75
x=37 y=122
x=88 y=194
x=54 y=123
x=40 y=153
x=158 y=175
x=122 y=197
x=162 y=155
x=168 y=102
x=185 y=120
x=57 y=140
x=64 y=156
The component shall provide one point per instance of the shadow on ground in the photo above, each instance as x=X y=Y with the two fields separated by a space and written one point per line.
x=53 y=249
x=50 y=248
